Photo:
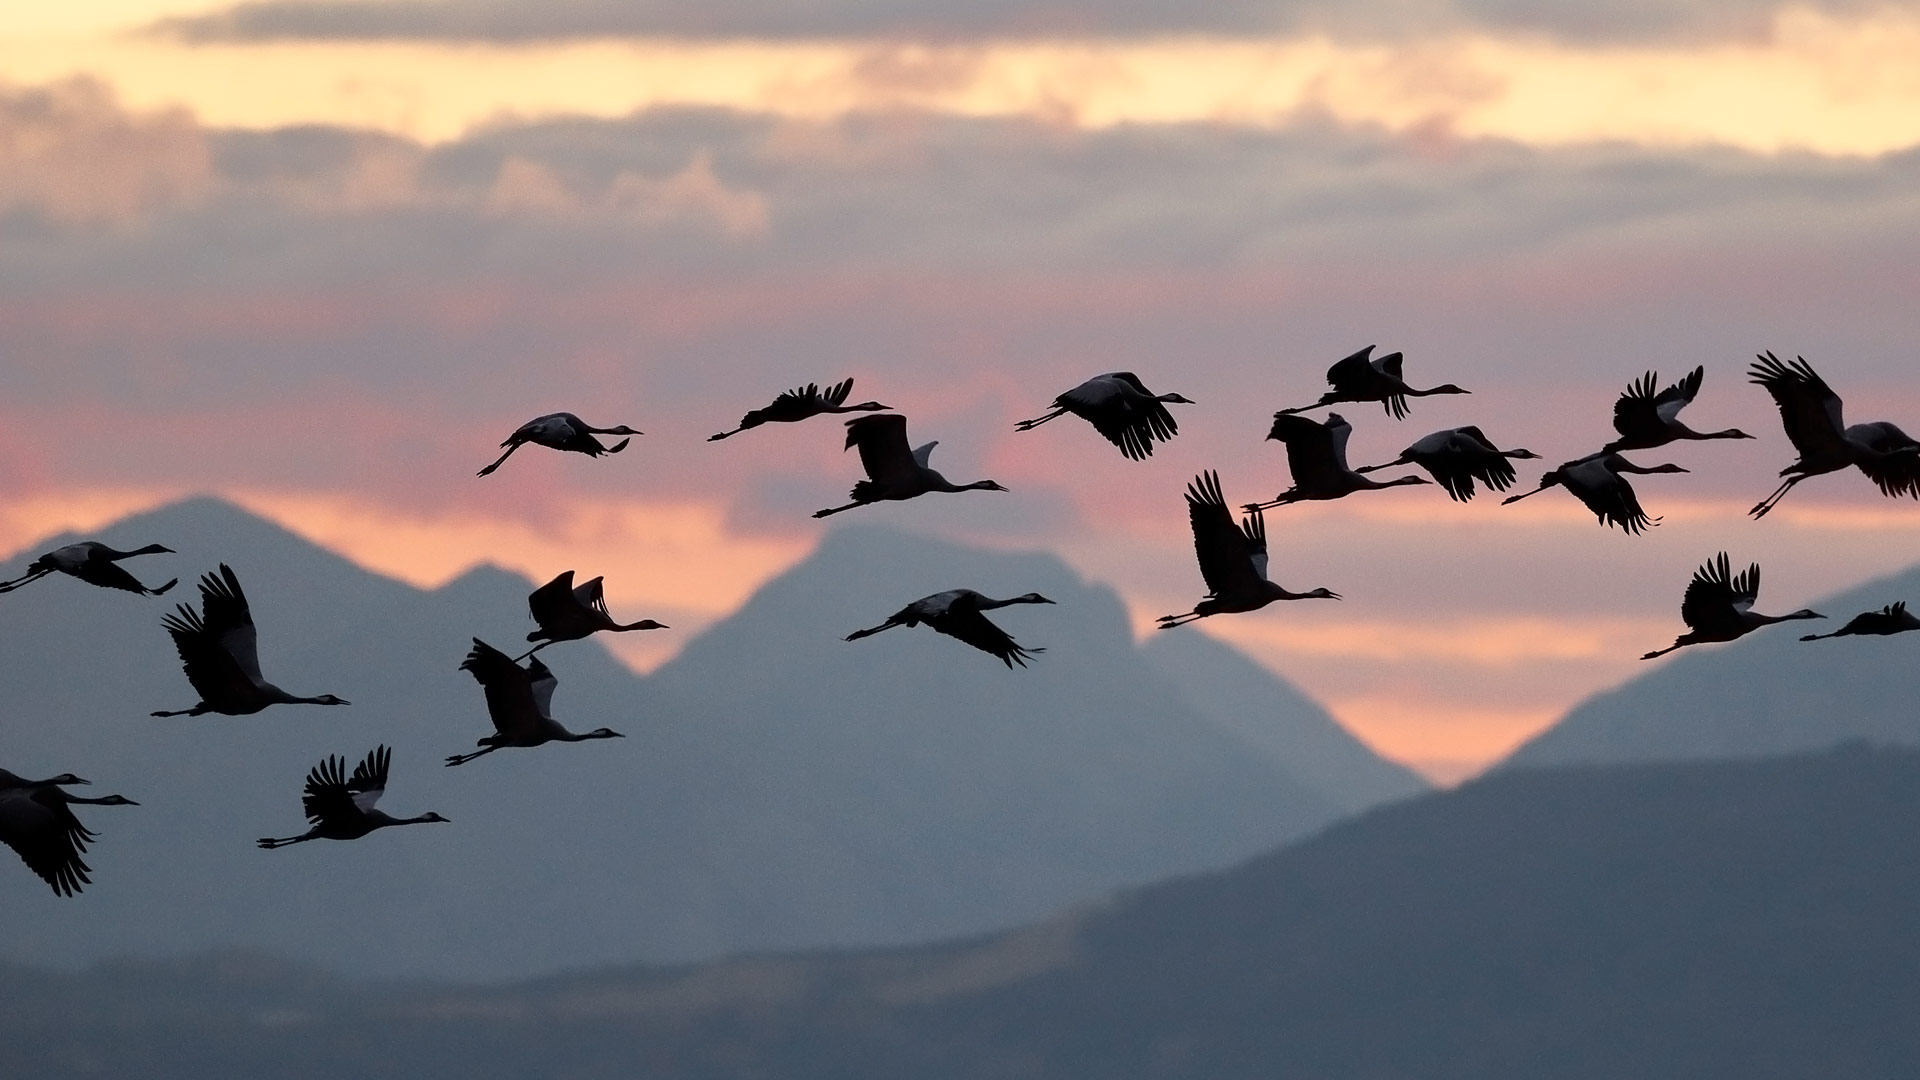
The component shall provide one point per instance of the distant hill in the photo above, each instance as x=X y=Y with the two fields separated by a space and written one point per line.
x=779 y=787
x=1769 y=693
x=1746 y=920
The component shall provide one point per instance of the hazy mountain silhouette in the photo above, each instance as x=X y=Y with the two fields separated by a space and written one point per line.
x=1768 y=693
x=1741 y=920
x=779 y=787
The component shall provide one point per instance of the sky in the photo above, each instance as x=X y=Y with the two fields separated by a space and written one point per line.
x=322 y=257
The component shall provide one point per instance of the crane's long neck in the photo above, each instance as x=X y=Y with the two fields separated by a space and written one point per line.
x=1803 y=613
x=989 y=604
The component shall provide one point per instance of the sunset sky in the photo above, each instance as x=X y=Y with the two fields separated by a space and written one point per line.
x=322 y=257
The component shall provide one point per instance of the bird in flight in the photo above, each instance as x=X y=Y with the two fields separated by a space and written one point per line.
x=893 y=471
x=1718 y=606
x=94 y=563
x=341 y=807
x=1120 y=407
x=569 y=612
x=1811 y=413
x=801 y=404
x=1233 y=558
x=562 y=431
x=1889 y=620
x=1597 y=482
x=219 y=648
x=957 y=613
x=1317 y=459
x=1456 y=457
x=1646 y=419
x=37 y=822
x=1365 y=377
x=519 y=702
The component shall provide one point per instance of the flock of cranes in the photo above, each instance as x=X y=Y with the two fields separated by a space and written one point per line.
x=218 y=651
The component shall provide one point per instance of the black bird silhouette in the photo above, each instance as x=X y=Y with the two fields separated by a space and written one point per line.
x=220 y=651
x=1719 y=606
x=1646 y=419
x=957 y=614
x=800 y=404
x=562 y=431
x=1317 y=459
x=1597 y=482
x=94 y=563
x=1120 y=407
x=37 y=823
x=1233 y=558
x=519 y=702
x=1889 y=620
x=893 y=471
x=341 y=807
x=1810 y=411
x=1363 y=377
x=567 y=612
x=1456 y=457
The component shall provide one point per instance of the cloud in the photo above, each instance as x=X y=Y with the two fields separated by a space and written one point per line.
x=1603 y=21
x=68 y=152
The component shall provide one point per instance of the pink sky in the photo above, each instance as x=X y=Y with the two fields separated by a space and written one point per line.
x=334 y=323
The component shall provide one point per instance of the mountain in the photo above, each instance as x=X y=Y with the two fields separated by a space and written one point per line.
x=779 y=787
x=1768 y=693
x=1727 y=920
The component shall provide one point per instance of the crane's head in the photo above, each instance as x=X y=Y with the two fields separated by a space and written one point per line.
x=431 y=816
x=1321 y=594
x=329 y=699
x=623 y=430
x=67 y=778
x=1176 y=399
x=603 y=733
x=1527 y=455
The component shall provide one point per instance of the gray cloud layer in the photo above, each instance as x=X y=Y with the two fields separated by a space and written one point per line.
x=528 y=20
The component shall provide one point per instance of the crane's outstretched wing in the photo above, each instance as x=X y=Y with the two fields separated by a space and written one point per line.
x=1716 y=594
x=369 y=779
x=508 y=686
x=1316 y=452
x=593 y=596
x=1232 y=560
x=1130 y=418
x=1898 y=473
x=973 y=627
x=327 y=797
x=1468 y=456
x=552 y=601
x=42 y=830
x=882 y=440
x=541 y=682
x=1809 y=409
x=229 y=619
x=1353 y=373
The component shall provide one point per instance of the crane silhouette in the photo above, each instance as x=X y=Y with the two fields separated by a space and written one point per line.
x=562 y=431
x=1233 y=558
x=1597 y=482
x=340 y=807
x=1646 y=419
x=1811 y=413
x=1889 y=620
x=519 y=702
x=1317 y=459
x=957 y=614
x=94 y=563
x=220 y=650
x=567 y=612
x=893 y=471
x=1456 y=457
x=1365 y=377
x=1718 y=606
x=801 y=404
x=37 y=822
x=1120 y=407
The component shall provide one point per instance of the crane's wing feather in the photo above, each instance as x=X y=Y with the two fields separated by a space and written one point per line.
x=327 y=797
x=1668 y=403
x=541 y=682
x=551 y=601
x=1122 y=410
x=41 y=829
x=882 y=441
x=1809 y=409
x=1353 y=374
x=229 y=619
x=1226 y=552
x=968 y=624
x=1897 y=474
x=1713 y=594
x=369 y=779
x=508 y=686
